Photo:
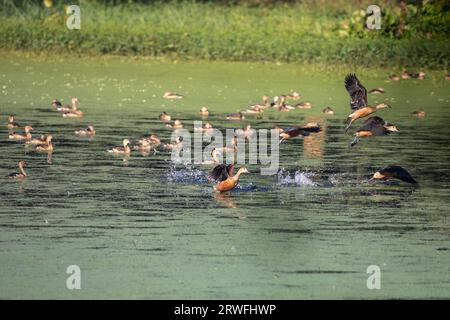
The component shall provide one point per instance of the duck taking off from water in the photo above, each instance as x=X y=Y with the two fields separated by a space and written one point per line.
x=224 y=175
x=374 y=126
x=358 y=100
x=18 y=175
x=396 y=172
x=304 y=131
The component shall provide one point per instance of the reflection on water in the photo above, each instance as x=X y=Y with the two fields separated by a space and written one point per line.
x=141 y=227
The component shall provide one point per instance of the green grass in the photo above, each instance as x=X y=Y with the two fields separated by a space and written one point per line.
x=186 y=30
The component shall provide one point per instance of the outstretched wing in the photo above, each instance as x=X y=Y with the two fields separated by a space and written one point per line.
x=375 y=125
x=221 y=172
x=357 y=92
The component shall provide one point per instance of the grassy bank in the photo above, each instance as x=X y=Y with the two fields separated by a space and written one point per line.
x=186 y=30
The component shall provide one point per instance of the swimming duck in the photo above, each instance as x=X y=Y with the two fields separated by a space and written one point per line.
x=73 y=113
x=247 y=131
x=125 y=149
x=396 y=172
x=328 y=110
x=224 y=175
x=151 y=139
x=172 y=95
x=419 y=113
x=175 y=145
x=285 y=107
x=374 y=126
x=293 y=96
x=12 y=122
x=176 y=125
x=206 y=127
x=358 y=100
x=18 y=175
x=406 y=75
x=304 y=105
x=231 y=148
x=144 y=146
x=256 y=109
x=235 y=116
x=204 y=111
x=47 y=146
x=165 y=117
x=265 y=104
x=214 y=156
x=377 y=90
x=25 y=136
x=419 y=76
x=88 y=131
x=305 y=130
x=66 y=108
x=36 y=141
x=394 y=77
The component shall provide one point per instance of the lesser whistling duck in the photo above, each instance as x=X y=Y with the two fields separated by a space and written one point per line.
x=73 y=112
x=224 y=175
x=125 y=149
x=172 y=95
x=18 y=175
x=214 y=157
x=377 y=90
x=265 y=104
x=305 y=130
x=206 y=127
x=165 y=117
x=358 y=100
x=177 y=124
x=143 y=145
x=328 y=110
x=396 y=172
x=394 y=77
x=293 y=96
x=36 y=141
x=247 y=131
x=47 y=146
x=88 y=131
x=406 y=75
x=255 y=109
x=235 y=116
x=12 y=122
x=374 y=126
x=419 y=76
x=204 y=111
x=66 y=108
x=419 y=113
x=25 y=136
x=175 y=145
x=151 y=139
x=232 y=147
x=304 y=105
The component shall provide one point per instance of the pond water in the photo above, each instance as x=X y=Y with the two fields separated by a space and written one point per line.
x=145 y=228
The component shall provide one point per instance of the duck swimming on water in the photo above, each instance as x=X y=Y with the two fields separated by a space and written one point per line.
x=305 y=130
x=165 y=117
x=328 y=111
x=47 y=146
x=235 y=116
x=67 y=108
x=18 y=175
x=177 y=124
x=358 y=100
x=396 y=172
x=12 y=122
x=419 y=113
x=224 y=175
x=88 y=131
x=204 y=111
x=172 y=95
x=175 y=145
x=25 y=136
x=374 y=126
x=124 y=150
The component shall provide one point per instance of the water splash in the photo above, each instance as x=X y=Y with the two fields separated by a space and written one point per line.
x=186 y=174
x=300 y=178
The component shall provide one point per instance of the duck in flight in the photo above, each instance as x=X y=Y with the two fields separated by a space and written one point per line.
x=223 y=174
x=358 y=100
x=374 y=126
x=304 y=131
x=396 y=172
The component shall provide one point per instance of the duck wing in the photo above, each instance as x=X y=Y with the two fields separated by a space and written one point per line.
x=221 y=172
x=399 y=173
x=357 y=92
x=375 y=125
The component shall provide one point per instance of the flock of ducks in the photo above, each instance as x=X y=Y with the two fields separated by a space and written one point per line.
x=223 y=174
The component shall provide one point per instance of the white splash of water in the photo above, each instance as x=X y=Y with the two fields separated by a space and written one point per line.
x=300 y=178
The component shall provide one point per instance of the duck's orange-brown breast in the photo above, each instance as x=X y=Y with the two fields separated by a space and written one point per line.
x=226 y=185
